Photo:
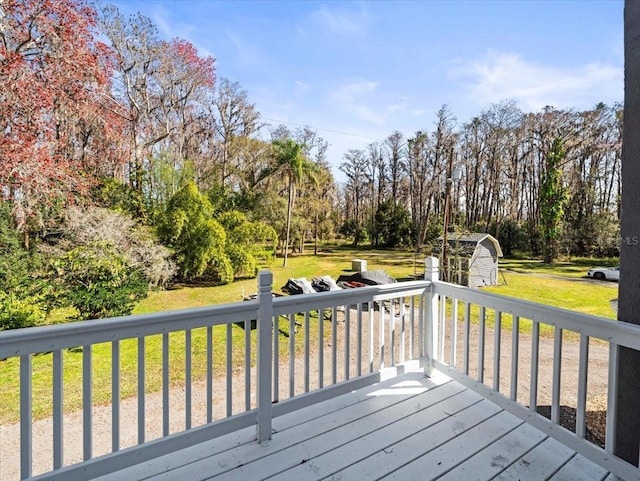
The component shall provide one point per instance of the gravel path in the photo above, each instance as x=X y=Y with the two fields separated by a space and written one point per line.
x=42 y=429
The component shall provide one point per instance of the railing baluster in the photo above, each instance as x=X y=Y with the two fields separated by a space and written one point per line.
x=359 y=336
x=581 y=429
x=334 y=345
x=442 y=325
x=496 y=349
x=26 y=417
x=454 y=331
x=247 y=363
x=165 y=384
x=141 y=389
x=392 y=332
x=422 y=337
x=535 y=349
x=515 y=346
x=467 y=327
x=187 y=378
x=412 y=324
x=403 y=338
x=229 y=379
x=371 y=327
x=381 y=340
x=557 y=368
x=292 y=353
x=209 y=388
x=87 y=404
x=58 y=409
x=481 y=338
x=307 y=352
x=321 y=347
x=347 y=343
x=115 y=396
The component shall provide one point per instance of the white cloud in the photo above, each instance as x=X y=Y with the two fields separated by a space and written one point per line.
x=353 y=98
x=499 y=76
x=342 y=21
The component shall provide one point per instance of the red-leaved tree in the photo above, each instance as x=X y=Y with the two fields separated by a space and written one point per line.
x=54 y=84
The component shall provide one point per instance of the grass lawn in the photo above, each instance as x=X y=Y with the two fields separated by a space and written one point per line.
x=587 y=297
x=332 y=261
x=567 y=268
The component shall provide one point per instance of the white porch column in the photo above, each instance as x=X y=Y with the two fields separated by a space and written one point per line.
x=431 y=273
x=264 y=355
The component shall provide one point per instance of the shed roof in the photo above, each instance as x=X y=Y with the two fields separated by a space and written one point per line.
x=475 y=238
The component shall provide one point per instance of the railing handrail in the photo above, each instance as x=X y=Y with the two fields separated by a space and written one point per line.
x=32 y=340
x=616 y=332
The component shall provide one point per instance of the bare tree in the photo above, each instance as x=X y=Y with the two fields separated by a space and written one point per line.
x=355 y=168
x=237 y=117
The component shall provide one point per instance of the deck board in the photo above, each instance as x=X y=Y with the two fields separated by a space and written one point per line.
x=580 y=468
x=308 y=439
x=170 y=466
x=464 y=445
x=540 y=463
x=406 y=428
x=496 y=457
x=364 y=452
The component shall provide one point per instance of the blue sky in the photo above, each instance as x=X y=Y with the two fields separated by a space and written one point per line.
x=357 y=71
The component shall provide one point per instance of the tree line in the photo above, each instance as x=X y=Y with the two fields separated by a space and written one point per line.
x=127 y=163
x=546 y=182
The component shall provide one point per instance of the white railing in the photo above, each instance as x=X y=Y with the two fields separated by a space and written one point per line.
x=519 y=354
x=313 y=347
x=475 y=346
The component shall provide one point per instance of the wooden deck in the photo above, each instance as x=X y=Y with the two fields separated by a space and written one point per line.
x=406 y=428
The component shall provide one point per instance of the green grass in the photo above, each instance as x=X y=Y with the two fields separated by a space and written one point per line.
x=573 y=294
x=588 y=298
x=567 y=268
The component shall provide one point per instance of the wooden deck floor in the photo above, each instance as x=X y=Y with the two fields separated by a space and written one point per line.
x=406 y=428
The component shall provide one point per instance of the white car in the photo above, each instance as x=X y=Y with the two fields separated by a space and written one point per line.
x=605 y=273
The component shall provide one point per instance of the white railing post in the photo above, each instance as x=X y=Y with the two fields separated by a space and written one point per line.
x=264 y=355
x=431 y=329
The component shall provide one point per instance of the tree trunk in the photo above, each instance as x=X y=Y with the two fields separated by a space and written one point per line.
x=289 y=212
x=315 y=237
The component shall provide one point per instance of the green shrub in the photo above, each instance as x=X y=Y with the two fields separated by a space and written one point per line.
x=220 y=268
x=16 y=313
x=97 y=280
x=244 y=263
x=19 y=296
x=189 y=230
